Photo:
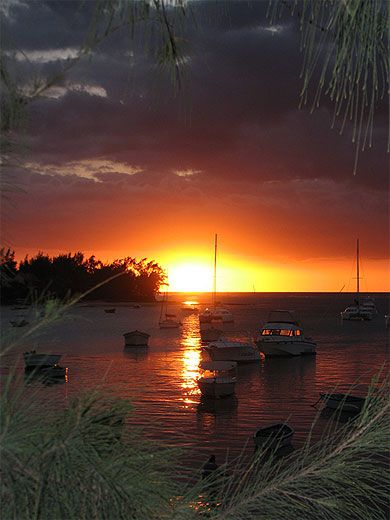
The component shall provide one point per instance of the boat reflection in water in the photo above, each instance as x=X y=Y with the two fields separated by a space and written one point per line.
x=224 y=406
x=136 y=353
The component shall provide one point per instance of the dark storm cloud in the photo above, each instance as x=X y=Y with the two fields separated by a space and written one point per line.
x=243 y=92
x=236 y=123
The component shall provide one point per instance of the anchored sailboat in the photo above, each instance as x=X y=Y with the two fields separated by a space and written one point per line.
x=167 y=320
x=215 y=313
x=363 y=308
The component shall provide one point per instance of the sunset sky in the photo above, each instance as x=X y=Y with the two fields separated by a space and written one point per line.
x=117 y=164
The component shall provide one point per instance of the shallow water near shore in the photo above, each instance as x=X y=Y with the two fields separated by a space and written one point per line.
x=161 y=379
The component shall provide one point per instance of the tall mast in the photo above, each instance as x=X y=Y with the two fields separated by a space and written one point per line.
x=357 y=268
x=215 y=270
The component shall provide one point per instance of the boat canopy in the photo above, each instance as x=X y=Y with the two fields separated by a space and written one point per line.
x=215 y=366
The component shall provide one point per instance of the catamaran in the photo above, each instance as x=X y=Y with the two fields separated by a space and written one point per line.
x=364 y=308
x=215 y=313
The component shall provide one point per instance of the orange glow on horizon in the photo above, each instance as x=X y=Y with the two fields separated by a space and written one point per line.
x=190 y=270
x=236 y=274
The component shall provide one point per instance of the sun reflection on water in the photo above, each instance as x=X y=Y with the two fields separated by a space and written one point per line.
x=191 y=343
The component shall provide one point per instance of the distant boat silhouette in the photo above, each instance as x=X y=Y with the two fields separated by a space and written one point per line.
x=169 y=321
x=364 y=308
x=215 y=313
x=136 y=338
x=110 y=311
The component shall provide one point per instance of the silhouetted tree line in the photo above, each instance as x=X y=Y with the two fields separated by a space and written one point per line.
x=70 y=274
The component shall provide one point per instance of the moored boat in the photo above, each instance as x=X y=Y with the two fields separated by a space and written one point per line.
x=170 y=322
x=49 y=372
x=282 y=335
x=364 y=308
x=273 y=436
x=215 y=313
x=33 y=360
x=189 y=307
x=224 y=350
x=136 y=338
x=218 y=378
x=110 y=311
x=343 y=402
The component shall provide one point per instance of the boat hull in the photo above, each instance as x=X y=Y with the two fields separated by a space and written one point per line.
x=356 y=317
x=41 y=360
x=286 y=348
x=136 y=338
x=216 y=389
x=273 y=437
x=342 y=402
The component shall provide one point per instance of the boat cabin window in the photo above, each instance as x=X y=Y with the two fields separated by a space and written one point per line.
x=280 y=332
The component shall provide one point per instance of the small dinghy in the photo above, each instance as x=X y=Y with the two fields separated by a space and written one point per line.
x=32 y=360
x=218 y=378
x=136 y=338
x=273 y=436
x=47 y=373
x=343 y=402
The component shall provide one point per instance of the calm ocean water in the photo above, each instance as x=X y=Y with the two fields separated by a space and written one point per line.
x=161 y=380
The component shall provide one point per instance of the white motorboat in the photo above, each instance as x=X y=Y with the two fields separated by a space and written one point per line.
x=364 y=308
x=136 y=338
x=282 y=335
x=210 y=334
x=224 y=350
x=34 y=360
x=273 y=436
x=343 y=402
x=218 y=378
x=215 y=313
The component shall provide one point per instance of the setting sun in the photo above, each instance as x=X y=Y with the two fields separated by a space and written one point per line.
x=191 y=277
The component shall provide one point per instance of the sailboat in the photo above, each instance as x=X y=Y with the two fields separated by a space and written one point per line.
x=215 y=314
x=167 y=320
x=364 y=308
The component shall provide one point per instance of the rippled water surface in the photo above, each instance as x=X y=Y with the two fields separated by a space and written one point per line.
x=161 y=380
